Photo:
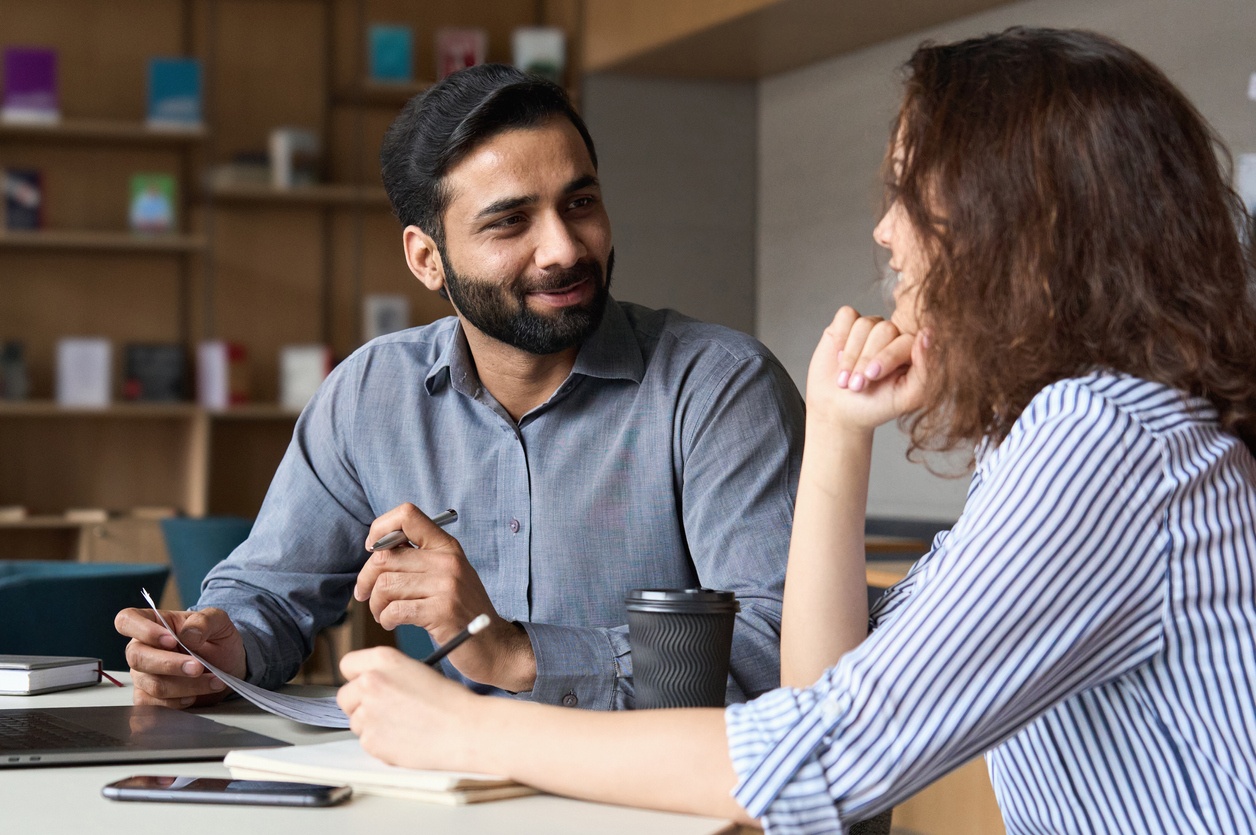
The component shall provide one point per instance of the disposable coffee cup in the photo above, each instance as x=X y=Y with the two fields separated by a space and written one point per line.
x=681 y=639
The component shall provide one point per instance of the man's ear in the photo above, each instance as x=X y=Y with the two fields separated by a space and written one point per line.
x=423 y=258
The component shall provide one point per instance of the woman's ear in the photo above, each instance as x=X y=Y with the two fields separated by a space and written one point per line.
x=423 y=258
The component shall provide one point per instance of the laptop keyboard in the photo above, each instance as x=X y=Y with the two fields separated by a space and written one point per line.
x=36 y=731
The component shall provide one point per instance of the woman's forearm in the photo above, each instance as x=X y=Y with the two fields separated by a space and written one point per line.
x=675 y=760
x=826 y=598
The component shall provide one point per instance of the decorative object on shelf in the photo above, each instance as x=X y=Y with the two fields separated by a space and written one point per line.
x=84 y=371
x=302 y=369
x=174 y=93
x=384 y=313
x=14 y=382
x=152 y=203
x=541 y=50
x=459 y=48
x=23 y=198
x=390 y=50
x=221 y=374
x=295 y=157
x=30 y=86
x=154 y=372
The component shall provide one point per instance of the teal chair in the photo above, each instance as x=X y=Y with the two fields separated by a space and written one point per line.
x=196 y=545
x=413 y=641
x=53 y=607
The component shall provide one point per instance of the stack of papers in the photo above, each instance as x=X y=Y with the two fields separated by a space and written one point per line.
x=345 y=763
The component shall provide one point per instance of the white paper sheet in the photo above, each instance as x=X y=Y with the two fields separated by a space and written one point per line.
x=324 y=712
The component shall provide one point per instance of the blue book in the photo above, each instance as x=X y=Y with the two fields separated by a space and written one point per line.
x=174 y=92
x=391 y=51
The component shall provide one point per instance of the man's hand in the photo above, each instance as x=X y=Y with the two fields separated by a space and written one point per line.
x=434 y=586
x=163 y=673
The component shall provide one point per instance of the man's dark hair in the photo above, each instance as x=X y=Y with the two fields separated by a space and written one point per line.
x=438 y=128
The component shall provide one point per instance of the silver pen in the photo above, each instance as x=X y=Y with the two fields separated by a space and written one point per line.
x=392 y=540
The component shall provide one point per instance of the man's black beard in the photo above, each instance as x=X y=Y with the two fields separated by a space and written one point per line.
x=502 y=312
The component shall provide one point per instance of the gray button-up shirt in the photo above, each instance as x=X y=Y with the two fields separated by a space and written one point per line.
x=668 y=458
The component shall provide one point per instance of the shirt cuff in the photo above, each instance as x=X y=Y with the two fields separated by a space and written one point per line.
x=577 y=666
x=774 y=743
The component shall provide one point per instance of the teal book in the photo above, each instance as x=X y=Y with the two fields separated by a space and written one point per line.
x=391 y=51
x=174 y=93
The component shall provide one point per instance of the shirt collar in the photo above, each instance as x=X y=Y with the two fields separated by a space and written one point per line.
x=612 y=353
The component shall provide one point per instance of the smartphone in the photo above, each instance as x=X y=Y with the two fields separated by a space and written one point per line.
x=170 y=789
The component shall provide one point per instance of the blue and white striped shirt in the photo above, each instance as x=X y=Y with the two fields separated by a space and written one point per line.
x=1090 y=622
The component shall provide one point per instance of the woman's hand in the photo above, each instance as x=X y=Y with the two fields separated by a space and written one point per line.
x=865 y=372
x=406 y=713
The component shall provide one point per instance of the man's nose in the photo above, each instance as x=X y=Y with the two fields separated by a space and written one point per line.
x=558 y=247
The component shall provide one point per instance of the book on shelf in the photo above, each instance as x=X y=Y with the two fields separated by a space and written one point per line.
x=153 y=203
x=221 y=374
x=458 y=48
x=540 y=50
x=344 y=762
x=10 y=513
x=302 y=369
x=86 y=515
x=84 y=371
x=14 y=380
x=30 y=675
x=154 y=372
x=295 y=157
x=23 y=198
x=152 y=513
x=384 y=313
x=174 y=93
x=30 y=86
x=390 y=51
x=245 y=168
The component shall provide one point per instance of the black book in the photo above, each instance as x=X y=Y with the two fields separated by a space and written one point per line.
x=155 y=372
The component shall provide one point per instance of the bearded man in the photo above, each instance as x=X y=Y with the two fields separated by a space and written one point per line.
x=589 y=446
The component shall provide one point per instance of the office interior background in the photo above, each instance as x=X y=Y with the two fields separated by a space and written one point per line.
x=739 y=142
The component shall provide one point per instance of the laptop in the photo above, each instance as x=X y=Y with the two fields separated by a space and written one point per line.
x=116 y=734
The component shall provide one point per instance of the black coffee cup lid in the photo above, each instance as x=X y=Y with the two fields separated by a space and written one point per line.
x=688 y=601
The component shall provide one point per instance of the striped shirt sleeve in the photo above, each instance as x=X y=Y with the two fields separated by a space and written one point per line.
x=1049 y=584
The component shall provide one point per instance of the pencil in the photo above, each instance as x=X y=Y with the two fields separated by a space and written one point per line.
x=392 y=540
x=456 y=641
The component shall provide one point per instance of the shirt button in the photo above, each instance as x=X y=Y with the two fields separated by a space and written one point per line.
x=570 y=700
x=829 y=707
x=514 y=526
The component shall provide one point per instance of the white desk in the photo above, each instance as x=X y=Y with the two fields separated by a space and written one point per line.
x=55 y=800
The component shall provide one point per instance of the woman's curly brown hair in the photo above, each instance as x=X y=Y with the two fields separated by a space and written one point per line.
x=1078 y=216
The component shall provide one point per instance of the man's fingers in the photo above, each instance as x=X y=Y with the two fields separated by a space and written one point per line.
x=142 y=625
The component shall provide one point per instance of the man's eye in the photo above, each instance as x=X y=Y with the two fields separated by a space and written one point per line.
x=581 y=202
x=506 y=222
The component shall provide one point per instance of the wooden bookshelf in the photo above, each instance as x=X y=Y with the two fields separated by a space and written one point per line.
x=95 y=131
x=314 y=195
x=88 y=240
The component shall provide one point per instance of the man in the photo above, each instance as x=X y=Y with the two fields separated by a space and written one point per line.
x=589 y=447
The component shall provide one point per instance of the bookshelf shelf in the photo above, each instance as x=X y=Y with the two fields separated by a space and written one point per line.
x=100 y=130
x=318 y=195
x=97 y=241
x=50 y=409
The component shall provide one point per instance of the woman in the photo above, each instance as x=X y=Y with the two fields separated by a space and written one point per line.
x=1074 y=298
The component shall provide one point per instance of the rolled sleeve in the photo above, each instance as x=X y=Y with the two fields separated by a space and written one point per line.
x=578 y=666
x=775 y=744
